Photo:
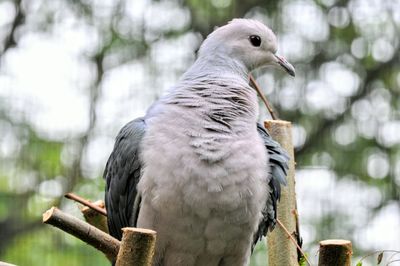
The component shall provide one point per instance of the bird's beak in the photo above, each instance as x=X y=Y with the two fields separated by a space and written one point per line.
x=285 y=65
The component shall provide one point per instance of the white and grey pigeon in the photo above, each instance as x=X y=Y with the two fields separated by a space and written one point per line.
x=198 y=168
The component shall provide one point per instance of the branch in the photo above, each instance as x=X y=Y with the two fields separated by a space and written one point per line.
x=84 y=231
x=94 y=218
x=263 y=98
x=380 y=253
x=294 y=241
x=335 y=252
x=281 y=251
x=137 y=247
x=85 y=202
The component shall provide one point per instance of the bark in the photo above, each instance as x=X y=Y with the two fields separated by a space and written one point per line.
x=96 y=207
x=335 y=252
x=94 y=218
x=137 y=247
x=281 y=250
x=82 y=230
x=263 y=98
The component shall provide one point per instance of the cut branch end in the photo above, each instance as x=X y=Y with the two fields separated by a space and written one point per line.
x=335 y=252
x=137 y=247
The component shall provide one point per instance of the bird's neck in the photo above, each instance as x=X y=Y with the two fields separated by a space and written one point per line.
x=225 y=101
x=217 y=111
x=217 y=87
x=216 y=65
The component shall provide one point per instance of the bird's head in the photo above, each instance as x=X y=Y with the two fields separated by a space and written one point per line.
x=249 y=42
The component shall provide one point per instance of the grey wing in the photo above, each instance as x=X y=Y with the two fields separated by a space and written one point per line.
x=122 y=174
x=279 y=165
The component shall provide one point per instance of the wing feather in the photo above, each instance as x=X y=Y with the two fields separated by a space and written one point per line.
x=122 y=173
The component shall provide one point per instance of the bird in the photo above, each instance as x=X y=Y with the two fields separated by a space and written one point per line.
x=197 y=167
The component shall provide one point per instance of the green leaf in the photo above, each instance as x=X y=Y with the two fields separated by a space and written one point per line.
x=359 y=263
x=303 y=261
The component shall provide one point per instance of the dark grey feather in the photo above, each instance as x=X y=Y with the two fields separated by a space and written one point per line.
x=122 y=173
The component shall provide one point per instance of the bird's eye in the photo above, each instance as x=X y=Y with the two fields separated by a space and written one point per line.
x=255 y=40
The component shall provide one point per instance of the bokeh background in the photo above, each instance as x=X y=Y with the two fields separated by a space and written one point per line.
x=73 y=72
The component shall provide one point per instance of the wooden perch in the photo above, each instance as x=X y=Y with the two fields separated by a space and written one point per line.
x=94 y=218
x=335 y=252
x=137 y=247
x=281 y=250
x=82 y=230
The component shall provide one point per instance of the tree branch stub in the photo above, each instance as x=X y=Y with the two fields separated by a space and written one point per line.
x=95 y=218
x=137 y=247
x=335 y=252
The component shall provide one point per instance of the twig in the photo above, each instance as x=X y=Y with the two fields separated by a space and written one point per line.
x=82 y=230
x=85 y=202
x=390 y=262
x=293 y=240
x=263 y=98
x=393 y=255
x=396 y=252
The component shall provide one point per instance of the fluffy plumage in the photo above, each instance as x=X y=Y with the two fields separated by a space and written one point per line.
x=198 y=168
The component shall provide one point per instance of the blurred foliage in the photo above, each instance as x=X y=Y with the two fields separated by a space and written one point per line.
x=64 y=249
x=344 y=104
